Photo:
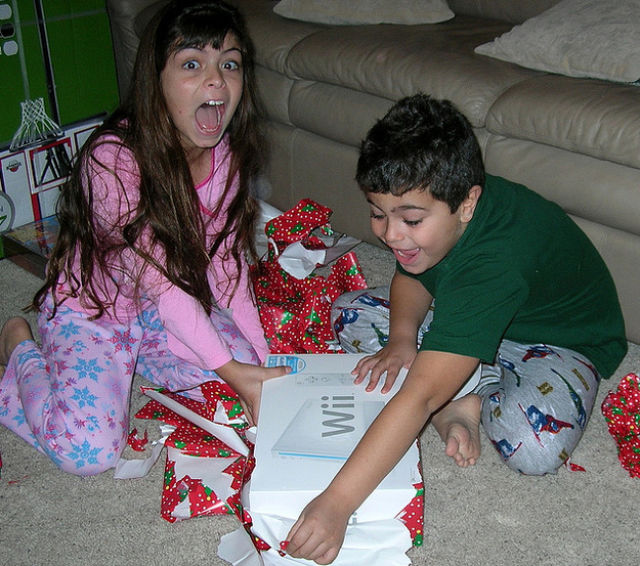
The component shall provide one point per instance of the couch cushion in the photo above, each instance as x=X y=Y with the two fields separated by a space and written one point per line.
x=396 y=61
x=274 y=90
x=595 y=118
x=334 y=112
x=578 y=38
x=354 y=12
x=272 y=35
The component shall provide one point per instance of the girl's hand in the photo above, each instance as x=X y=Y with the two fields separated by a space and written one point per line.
x=246 y=380
x=319 y=532
x=391 y=359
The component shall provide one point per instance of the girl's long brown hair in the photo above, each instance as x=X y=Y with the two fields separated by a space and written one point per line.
x=168 y=205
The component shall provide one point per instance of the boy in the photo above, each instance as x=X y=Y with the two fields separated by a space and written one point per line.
x=518 y=288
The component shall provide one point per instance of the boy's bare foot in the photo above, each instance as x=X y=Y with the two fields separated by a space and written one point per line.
x=14 y=331
x=458 y=424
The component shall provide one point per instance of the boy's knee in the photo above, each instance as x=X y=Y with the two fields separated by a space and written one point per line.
x=530 y=453
x=530 y=440
x=361 y=320
x=534 y=463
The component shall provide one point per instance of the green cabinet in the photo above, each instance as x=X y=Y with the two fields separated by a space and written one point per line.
x=65 y=57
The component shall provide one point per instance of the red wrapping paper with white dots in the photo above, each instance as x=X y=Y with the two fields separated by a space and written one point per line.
x=621 y=410
x=295 y=313
x=203 y=475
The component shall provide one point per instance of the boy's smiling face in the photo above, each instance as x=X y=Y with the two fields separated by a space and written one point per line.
x=419 y=230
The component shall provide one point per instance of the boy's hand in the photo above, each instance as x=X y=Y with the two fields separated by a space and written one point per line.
x=246 y=380
x=319 y=532
x=391 y=359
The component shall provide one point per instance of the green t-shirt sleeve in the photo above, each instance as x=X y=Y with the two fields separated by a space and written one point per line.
x=473 y=309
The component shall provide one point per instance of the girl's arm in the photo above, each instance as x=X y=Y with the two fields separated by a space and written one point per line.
x=191 y=336
x=242 y=304
x=433 y=379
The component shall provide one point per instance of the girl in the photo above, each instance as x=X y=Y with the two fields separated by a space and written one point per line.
x=149 y=273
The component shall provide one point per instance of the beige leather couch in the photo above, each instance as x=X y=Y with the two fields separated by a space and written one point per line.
x=575 y=141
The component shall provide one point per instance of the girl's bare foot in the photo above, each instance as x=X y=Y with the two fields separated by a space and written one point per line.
x=14 y=331
x=458 y=424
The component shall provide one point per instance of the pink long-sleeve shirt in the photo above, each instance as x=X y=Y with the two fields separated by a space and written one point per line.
x=190 y=333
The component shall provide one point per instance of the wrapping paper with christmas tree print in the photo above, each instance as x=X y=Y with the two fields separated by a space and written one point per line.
x=295 y=312
x=621 y=410
x=375 y=543
x=203 y=475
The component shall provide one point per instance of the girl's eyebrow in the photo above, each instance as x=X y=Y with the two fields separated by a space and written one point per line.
x=233 y=49
x=197 y=48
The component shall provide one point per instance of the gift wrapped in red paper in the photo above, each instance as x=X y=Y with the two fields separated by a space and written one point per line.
x=295 y=312
x=621 y=410
x=203 y=475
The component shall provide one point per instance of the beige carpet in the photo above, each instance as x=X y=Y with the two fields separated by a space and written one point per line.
x=482 y=516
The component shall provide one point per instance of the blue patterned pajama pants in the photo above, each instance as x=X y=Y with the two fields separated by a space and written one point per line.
x=536 y=398
x=69 y=398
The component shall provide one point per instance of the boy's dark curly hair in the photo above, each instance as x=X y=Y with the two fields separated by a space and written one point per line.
x=421 y=143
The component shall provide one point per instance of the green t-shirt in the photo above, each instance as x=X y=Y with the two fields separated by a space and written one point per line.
x=524 y=271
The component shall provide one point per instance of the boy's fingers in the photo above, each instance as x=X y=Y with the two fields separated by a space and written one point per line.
x=327 y=557
x=300 y=546
x=374 y=378
x=293 y=542
x=362 y=369
x=389 y=380
x=367 y=366
x=320 y=554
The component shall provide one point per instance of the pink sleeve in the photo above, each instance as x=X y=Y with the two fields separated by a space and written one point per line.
x=242 y=304
x=191 y=335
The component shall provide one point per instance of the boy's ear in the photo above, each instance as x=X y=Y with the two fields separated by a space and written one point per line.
x=468 y=206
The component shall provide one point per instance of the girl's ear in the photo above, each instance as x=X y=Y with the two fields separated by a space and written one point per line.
x=468 y=206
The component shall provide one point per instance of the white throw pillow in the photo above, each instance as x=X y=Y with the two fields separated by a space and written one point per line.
x=355 y=12
x=579 y=38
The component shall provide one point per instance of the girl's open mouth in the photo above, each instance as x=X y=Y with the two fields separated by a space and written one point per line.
x=209 y=116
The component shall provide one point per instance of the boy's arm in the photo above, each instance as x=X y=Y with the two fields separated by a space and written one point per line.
x=410 y=303
x=432 y=381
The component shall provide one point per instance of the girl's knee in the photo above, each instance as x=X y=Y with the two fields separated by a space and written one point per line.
x=85 y=459
x=84 y=469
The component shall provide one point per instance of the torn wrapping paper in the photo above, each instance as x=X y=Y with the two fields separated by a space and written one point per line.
x=310 y=421
x=205 y=476
x=371 y=544
x=621 y=410
x=294 y=301
x=206 y=465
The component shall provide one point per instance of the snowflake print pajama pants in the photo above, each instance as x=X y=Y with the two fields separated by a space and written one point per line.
x=536 y=398
x=69 y=398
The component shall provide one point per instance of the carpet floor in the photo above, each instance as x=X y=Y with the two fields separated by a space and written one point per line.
x=481 y=516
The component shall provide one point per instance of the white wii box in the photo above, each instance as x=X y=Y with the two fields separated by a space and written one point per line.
x=310 y=422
